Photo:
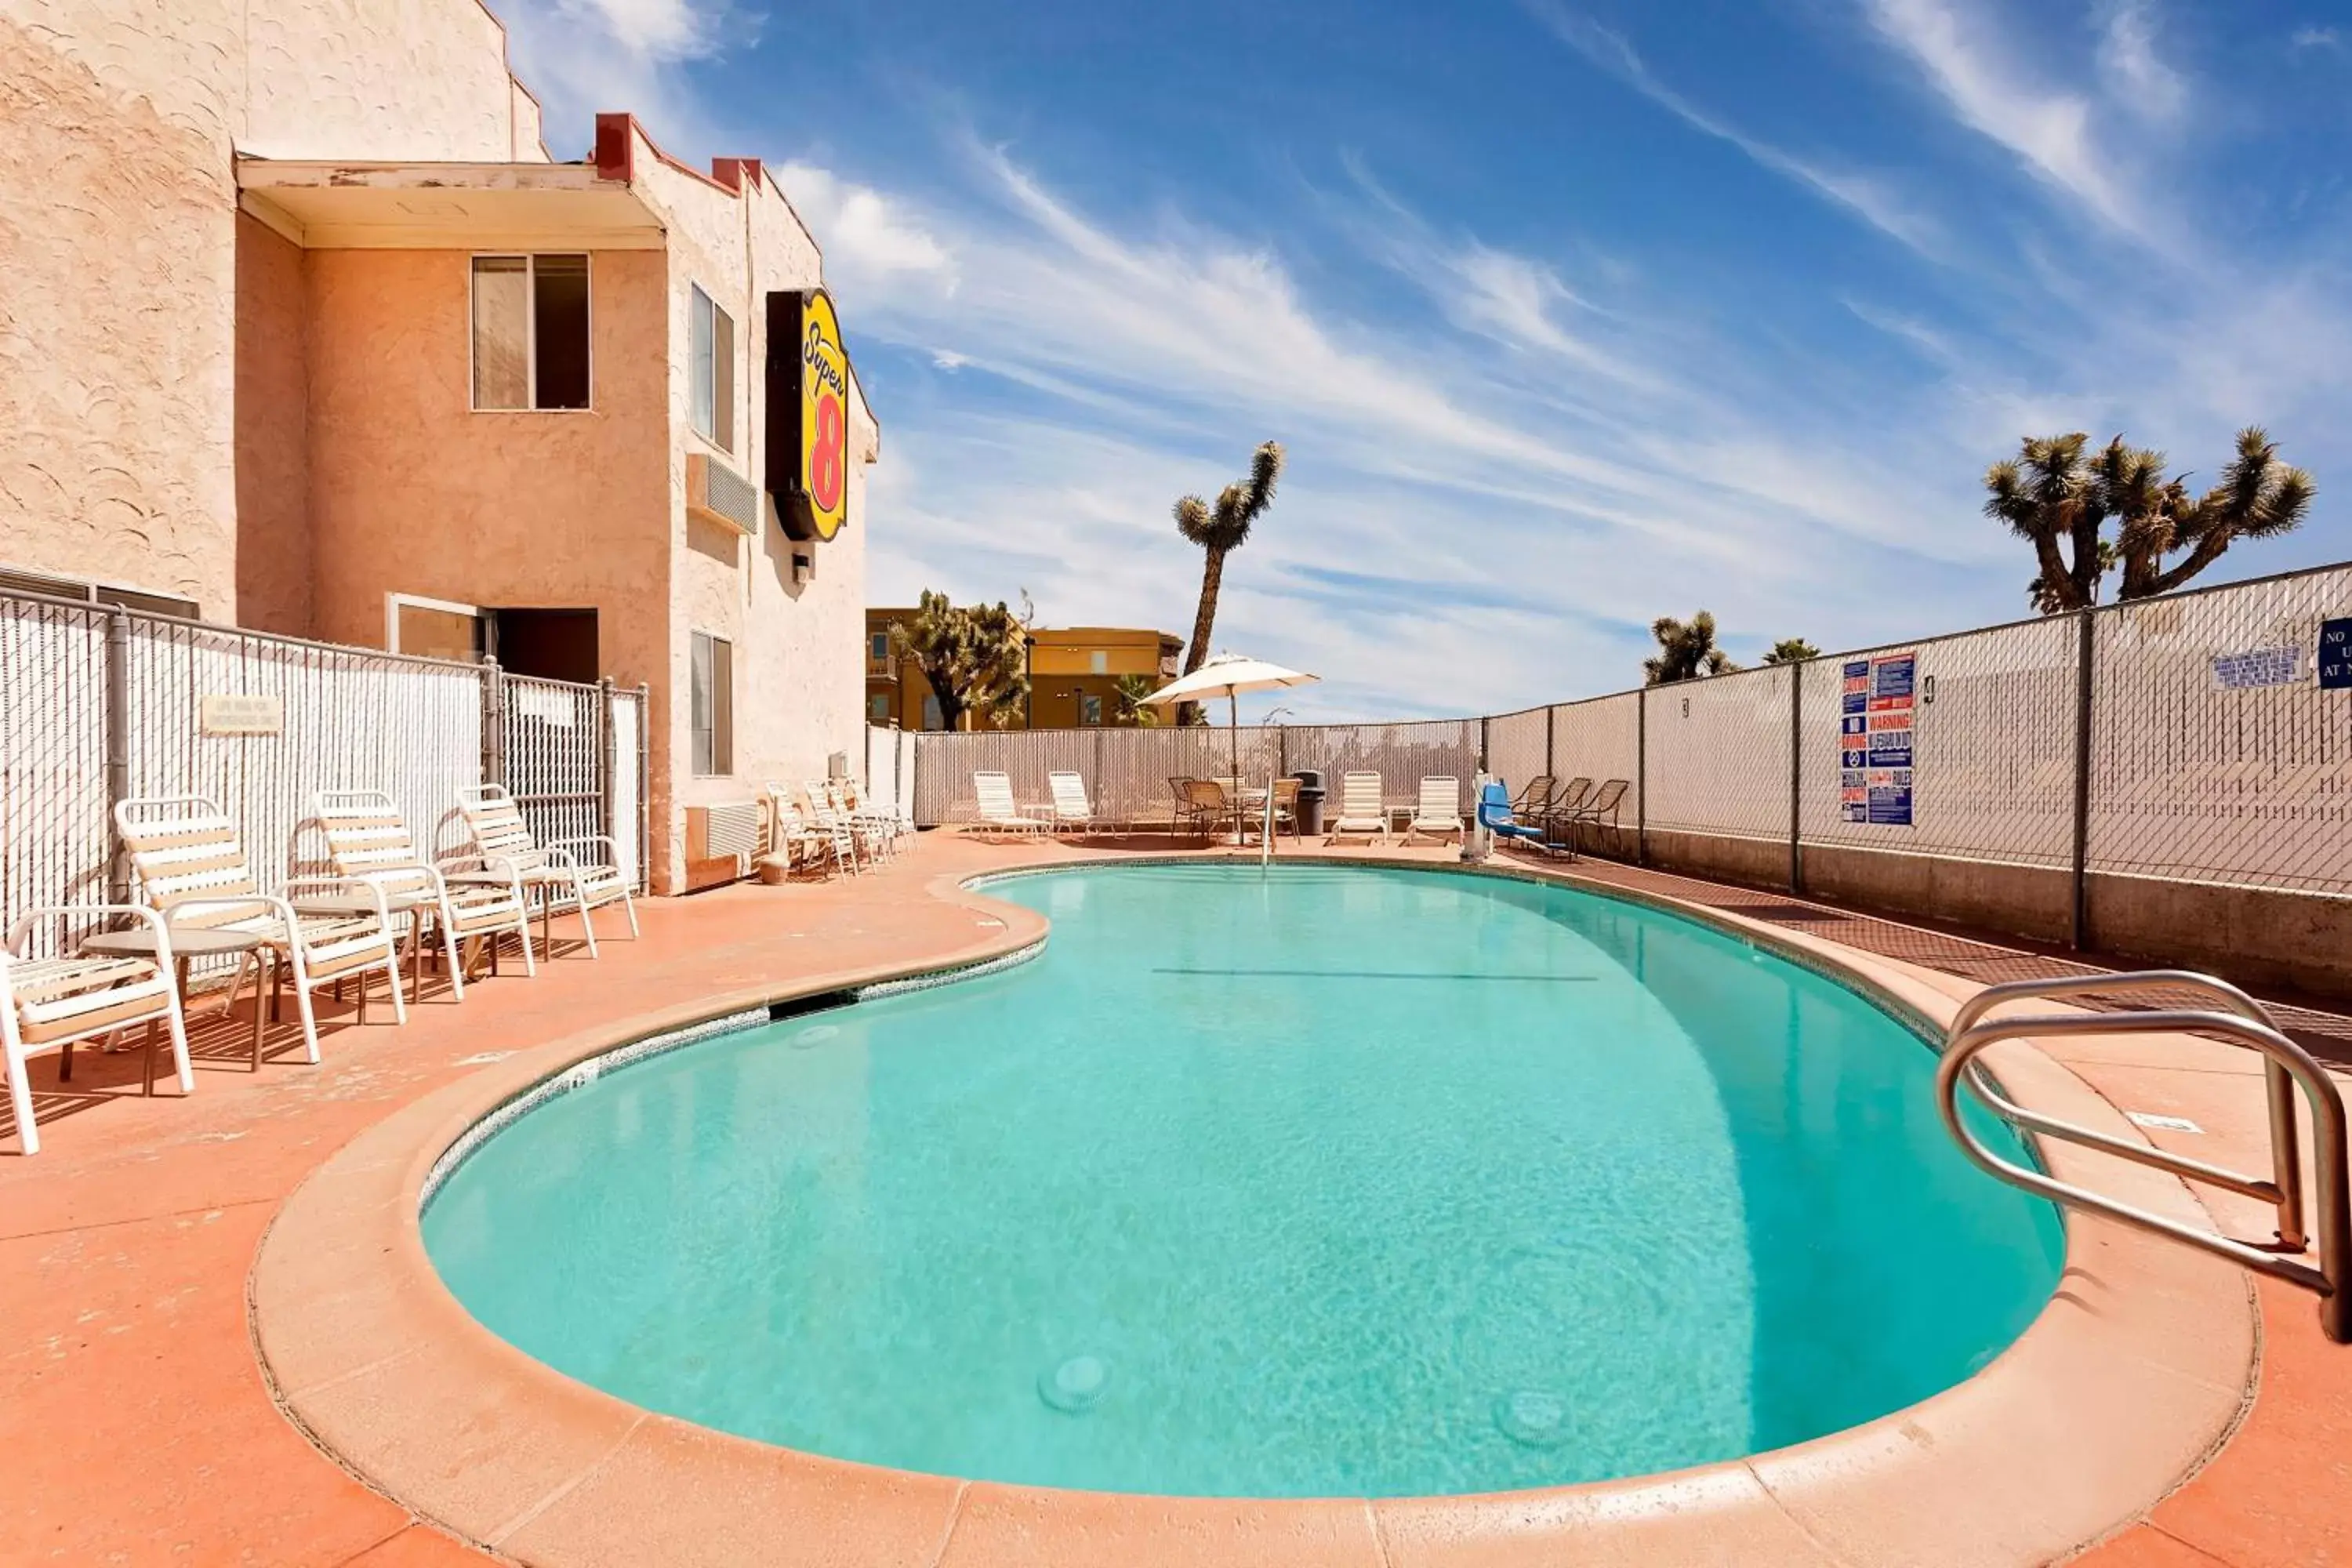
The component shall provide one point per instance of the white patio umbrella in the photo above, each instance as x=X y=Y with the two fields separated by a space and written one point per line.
x=1228 y=675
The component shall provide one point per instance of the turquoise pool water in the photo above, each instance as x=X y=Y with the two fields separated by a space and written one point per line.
x=1325 y=1181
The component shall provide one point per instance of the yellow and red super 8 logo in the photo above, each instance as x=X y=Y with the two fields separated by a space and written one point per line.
x=825 y=416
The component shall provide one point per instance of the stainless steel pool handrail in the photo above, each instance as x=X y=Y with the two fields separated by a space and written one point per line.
x=2286 y=1067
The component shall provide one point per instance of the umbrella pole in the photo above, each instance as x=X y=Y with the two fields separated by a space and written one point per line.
x=1233 y=754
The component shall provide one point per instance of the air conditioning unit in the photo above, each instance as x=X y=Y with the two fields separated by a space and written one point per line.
x=720 y=843
x=717 y=493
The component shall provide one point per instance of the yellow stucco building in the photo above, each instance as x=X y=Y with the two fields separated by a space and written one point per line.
x=1074 y=675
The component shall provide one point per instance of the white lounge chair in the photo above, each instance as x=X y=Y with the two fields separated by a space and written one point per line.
x=998 y=814
x=1071 y=808
x=552 y=873
x=192 y=869
x=832 y=817
x=801 y=843
x=48 y=1004
x=1363 y=811
x=1438 y=814
x=368 y=841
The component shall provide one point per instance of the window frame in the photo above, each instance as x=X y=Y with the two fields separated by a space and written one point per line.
x=394 y=603
x=697 y=300
x=721 y=763
x=1090 y=702
x=530 y=331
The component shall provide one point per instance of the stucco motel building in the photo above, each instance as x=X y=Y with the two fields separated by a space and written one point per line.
x=304 y=331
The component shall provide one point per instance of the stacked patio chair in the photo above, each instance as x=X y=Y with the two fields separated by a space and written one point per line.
x=193 y=869
x=1600 y=811
x=804 y=841
x=368 y=841
x=831 y=818
x=553 y=876
x=49 y=1004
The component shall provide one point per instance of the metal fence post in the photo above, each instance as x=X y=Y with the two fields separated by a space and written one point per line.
x=644 y=786
x=1796 y=777
x=1641 y=775
x=1282 y=749
x=1549 y=771
x=1482 y=743
x=2082 y=912
x=604 y=755
x=118 y=748
x=494 y=724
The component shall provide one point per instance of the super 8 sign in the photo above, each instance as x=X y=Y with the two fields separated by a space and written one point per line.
x=825 y=416
x=808 y=404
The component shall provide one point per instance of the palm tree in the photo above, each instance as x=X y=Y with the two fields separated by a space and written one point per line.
x=1686 y=650
x=1132 y=690
x=2257 y=498
x=1220 y=530
x=976 y=658
x=1791 y=650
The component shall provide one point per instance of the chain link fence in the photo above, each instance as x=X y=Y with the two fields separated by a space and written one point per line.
x=99 y=704
x=2187 y=739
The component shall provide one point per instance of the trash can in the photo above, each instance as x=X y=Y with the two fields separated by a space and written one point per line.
x=1310 y=800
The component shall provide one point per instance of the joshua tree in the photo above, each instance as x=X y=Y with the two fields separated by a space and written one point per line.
x=1220 y=530
x=975 y=658
x=1686 y=650
x=1791 y=650
x=2058 y=496
x=2257 y=498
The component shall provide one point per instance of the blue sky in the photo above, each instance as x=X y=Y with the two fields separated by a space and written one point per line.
x=1570 y=315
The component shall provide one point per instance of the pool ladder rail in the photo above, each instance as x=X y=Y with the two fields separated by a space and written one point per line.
x=2240 y=1020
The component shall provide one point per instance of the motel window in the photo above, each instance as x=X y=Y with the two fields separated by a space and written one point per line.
x=1099 y=662
x=714 y=705
x=881 y=646
x=877 y=709
x=933 y=719
x=530 y=331
x=711 y=331
x=1089 y=708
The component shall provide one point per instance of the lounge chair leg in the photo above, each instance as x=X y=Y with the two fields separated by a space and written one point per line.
x=630 y=905
x=20 y=1098
x=179 y=1040
x=392 y=973
x=449 y=945
x=147 y=1069
x=587 y=917
x=363 y=990
x=310 y=1018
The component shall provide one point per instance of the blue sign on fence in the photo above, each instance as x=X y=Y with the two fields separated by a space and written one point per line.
x=2336 y=654
x=1875 y=717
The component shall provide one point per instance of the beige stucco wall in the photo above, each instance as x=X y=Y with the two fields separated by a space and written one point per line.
x=800 y=681
x=118 y=343
x=413 y=491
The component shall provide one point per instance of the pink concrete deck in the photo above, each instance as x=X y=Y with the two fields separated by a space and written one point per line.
x=139 y=1428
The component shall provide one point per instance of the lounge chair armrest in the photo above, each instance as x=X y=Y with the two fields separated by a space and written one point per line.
x=140 y=912
x=350 y=888
x=564 y=847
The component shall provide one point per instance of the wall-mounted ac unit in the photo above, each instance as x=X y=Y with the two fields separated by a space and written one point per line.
x=717 y=493
x=720 y=843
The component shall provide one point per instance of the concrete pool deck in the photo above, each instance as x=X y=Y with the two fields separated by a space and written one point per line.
x=140 y=1427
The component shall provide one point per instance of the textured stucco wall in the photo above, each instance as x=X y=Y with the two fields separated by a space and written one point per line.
x=272 y=418
x=116 y=357
x=412 y=492
x=118 y=342
x=800 y=681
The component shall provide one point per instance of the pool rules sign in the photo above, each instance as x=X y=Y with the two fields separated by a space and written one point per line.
x=1874 y=712
x=808 y=414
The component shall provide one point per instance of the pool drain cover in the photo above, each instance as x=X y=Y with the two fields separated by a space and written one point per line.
x=1533 y=1418
x=1076 y=1385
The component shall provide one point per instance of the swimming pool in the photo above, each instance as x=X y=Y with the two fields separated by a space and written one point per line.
x=1331 y=1181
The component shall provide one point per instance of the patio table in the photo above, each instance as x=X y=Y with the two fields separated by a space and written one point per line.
x=187 y=943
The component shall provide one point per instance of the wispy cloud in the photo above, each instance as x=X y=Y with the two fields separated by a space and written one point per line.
x=2135 y=76
x=2049 y=129
x=2317 y=39
x=865 y=234
x=1866 y=197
